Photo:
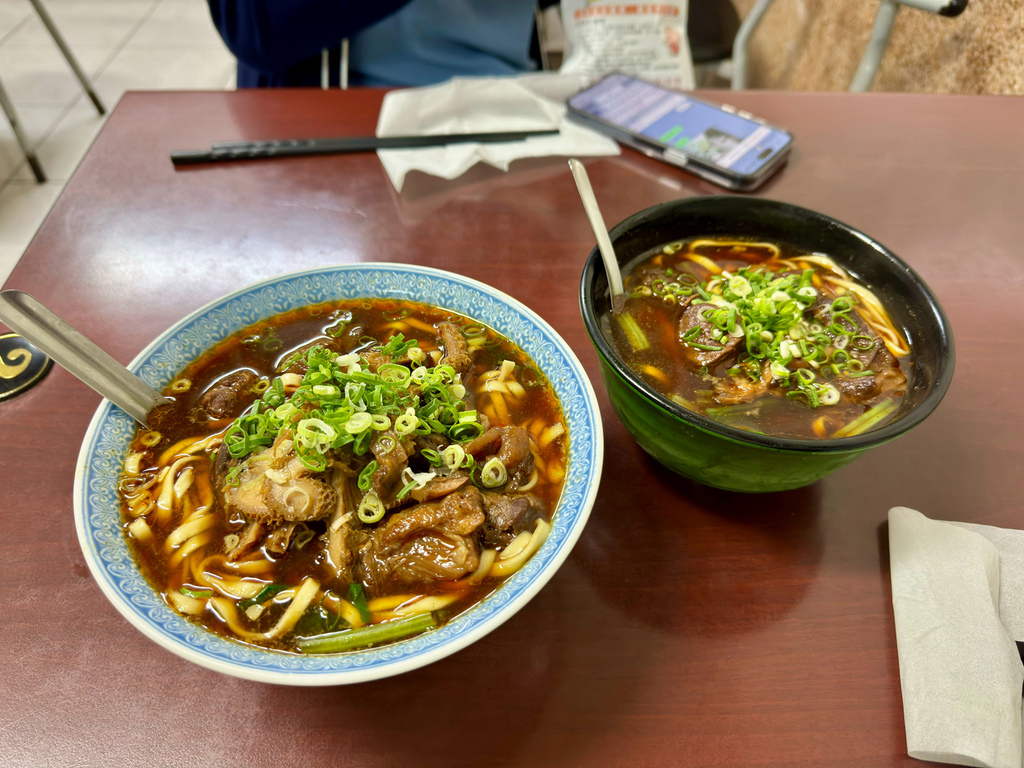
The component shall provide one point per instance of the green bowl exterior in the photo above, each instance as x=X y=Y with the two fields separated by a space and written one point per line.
x=712 y=459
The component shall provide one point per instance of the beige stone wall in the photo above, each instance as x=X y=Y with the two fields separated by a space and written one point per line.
x=815 y=45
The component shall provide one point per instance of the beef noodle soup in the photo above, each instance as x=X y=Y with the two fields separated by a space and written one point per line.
x=762 y=338
x=344 y=475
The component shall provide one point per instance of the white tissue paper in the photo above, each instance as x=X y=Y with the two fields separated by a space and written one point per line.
x=484 y=104
x=960 y=671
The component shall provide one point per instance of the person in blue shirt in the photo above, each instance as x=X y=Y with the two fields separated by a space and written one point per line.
x=391 y=42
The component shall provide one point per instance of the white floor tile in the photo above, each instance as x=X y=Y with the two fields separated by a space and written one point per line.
x=36 y=124
x=139 y=67
x=12 y=14
x=179 y=22
x=85 y=22
x=8 y=261
x=122 y=44
x=67 y=142
x=23 y=206
x=39 y=75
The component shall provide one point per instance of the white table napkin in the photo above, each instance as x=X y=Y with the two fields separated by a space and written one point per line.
x=475 y=105
x=958 y=599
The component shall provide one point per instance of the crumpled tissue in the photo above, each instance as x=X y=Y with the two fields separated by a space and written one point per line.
x=484 y=104
x=958 y=602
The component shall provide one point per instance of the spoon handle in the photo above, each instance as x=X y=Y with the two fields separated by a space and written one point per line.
x=604 y=243
x=81 y=357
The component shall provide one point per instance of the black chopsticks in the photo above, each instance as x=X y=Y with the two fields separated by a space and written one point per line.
x=250 y=150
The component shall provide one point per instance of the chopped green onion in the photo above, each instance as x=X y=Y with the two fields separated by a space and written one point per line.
x=303 y=538
x=740 y=286
x=862 y=343
x=454 y=457
x=829 y=395
x=706 y=347
x=406 y=423
x=371 y=508
x=493 y=473
x=198 y=594
x=433 y=457
x=358 y=422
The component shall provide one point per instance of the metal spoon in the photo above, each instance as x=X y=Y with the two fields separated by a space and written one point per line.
x=81 y=357
x=604 y=243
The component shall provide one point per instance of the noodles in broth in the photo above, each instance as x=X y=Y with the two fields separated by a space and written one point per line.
x=345 y=475
x=762 y=338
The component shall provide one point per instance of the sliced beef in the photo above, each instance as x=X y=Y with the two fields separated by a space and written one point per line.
x=375 y=359
x=343 y=527
x=512 y=447
x=740 y=389
x=392 y=457
x=250 y=536
x=459 y=513
x=885 y=374
x=427 y=542
x=278 y=541
x=439 y=486
x=227 y=397
x=693 y=317
x=454 y=347
x=508 y=515
x=860 y=389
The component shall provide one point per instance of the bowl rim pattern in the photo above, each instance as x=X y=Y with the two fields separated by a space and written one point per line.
x=98 y=518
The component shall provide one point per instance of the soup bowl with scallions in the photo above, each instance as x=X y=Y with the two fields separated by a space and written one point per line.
x=361 y=469
x=760 y=346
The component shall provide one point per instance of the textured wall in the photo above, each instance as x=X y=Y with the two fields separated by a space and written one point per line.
x=816 y=45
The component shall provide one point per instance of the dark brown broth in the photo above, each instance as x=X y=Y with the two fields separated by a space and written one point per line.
x=264 y=348
x=663 y=367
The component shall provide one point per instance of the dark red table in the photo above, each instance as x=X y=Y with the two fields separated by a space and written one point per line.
x=689 y=626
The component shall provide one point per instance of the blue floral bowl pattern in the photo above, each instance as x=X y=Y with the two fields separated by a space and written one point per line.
x=97 y=513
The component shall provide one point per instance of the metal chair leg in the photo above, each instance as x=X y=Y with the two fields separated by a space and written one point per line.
x=83 y=78
x=12 y=118
x=872 y=58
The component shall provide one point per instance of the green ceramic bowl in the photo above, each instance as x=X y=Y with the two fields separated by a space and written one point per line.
x=733 y=459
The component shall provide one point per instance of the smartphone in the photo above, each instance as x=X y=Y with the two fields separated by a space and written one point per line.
x=719 y=143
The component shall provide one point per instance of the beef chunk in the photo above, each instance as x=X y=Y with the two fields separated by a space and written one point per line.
x=454 y=346
x=698 y=358
x=508 y=515
x=439 y=486
x=280 y=538
x=250 y=536
x=861 y=389
x=392 y=457
x=512 y=447
x=427 y=542
x=275 y=487
x=740 y=389
x=227 y=398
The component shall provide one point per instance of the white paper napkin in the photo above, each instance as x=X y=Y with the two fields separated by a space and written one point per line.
x=960 y=671
x=474 y=105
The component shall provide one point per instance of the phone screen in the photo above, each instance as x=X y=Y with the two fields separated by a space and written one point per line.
x=674 y=120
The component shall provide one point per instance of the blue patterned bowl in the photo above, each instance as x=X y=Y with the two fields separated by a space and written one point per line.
x=98 y=519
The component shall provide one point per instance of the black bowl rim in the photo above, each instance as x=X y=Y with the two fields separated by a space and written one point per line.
x=892 y=430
